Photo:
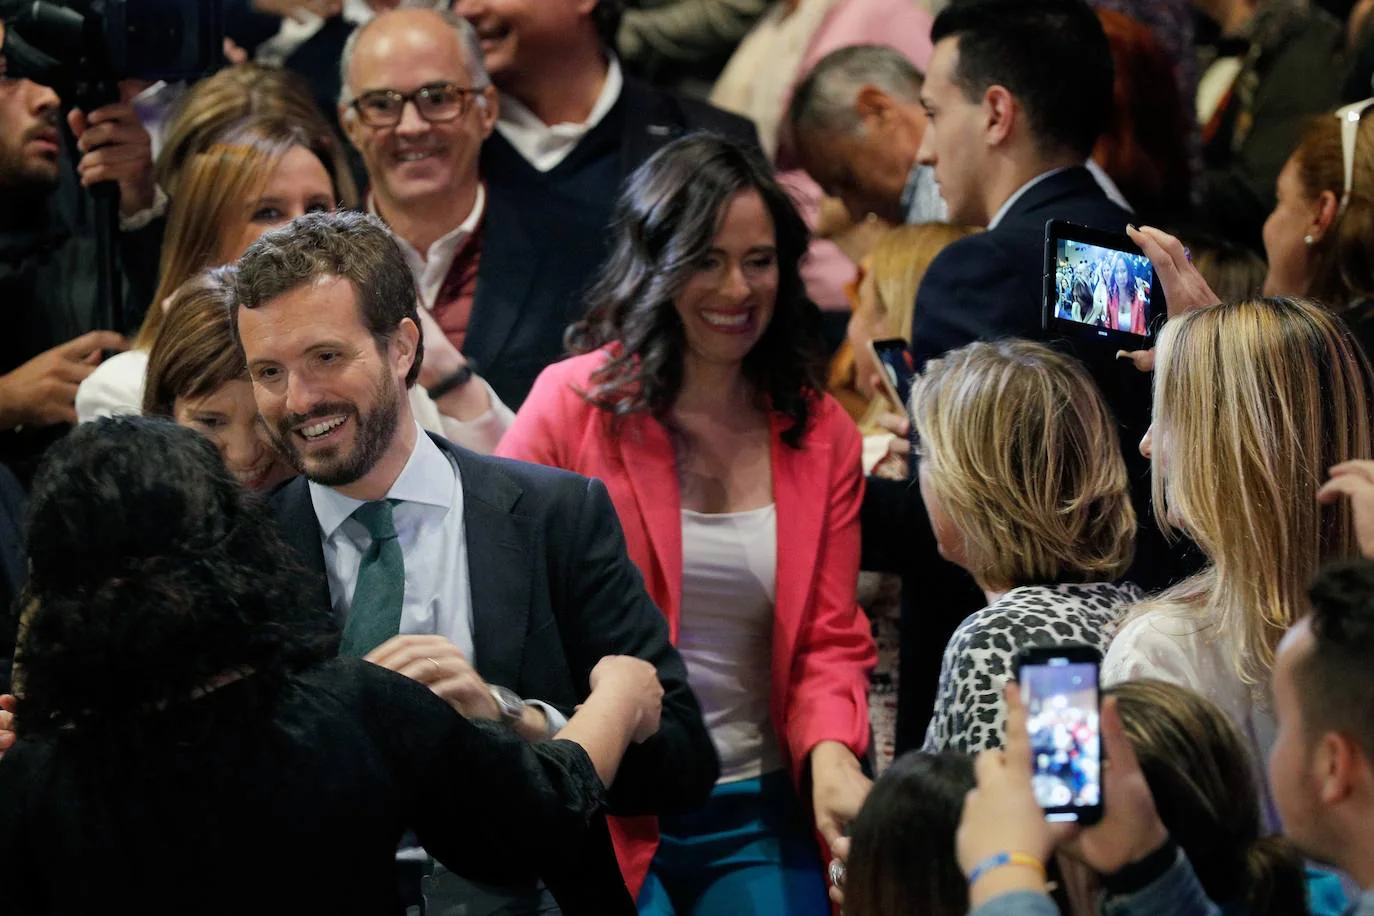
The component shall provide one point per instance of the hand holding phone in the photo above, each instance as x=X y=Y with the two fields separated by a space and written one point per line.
x=892 y=356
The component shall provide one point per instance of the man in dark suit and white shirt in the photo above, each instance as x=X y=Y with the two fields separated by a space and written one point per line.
x=1016 y=95
x=509 y=580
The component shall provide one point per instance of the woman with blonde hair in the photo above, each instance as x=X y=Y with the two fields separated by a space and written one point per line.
x=261 y=175
x=197 y=377
x=888 y=279
x=217 y=104
x=1022 y=477
x=1254 y=400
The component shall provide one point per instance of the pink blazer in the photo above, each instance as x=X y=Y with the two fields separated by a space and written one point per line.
x=823 y=648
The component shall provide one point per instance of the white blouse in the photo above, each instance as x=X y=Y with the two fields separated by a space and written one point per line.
x=725 y=633
x=1181 y=649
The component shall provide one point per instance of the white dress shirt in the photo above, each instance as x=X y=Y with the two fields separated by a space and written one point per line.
x=1103 y=180
x=546 y=145
x=429 y=529
x=433 y=540
x=432 y=267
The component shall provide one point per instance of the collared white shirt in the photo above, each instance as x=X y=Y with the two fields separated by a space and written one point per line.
x=1103 y=180
x=546 y=145
x=431 y=268
x=429 y=528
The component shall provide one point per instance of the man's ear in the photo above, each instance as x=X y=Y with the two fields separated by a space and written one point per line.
x=1336 y=766
x=873 y=105
x=404 y=347
x=348 y=120
x=1001 y=110
x=488 y=104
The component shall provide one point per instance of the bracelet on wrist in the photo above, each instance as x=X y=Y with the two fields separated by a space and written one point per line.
x=452 y=382
x=1004 y=859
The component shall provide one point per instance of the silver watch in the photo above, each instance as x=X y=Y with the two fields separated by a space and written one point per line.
x=509 y=705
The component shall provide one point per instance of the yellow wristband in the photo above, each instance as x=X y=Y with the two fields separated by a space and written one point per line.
x=1002 y=859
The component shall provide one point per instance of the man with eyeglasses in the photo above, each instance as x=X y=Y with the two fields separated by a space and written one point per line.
x=417 y=105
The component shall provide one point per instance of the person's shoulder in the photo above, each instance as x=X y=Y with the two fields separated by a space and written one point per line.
x=113 y=387
x=651 y=103
x=830 y=424
x=979 y=254
x=572 y=374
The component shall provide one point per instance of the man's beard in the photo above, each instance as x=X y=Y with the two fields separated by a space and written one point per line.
x=372 y=436
x=29 y=175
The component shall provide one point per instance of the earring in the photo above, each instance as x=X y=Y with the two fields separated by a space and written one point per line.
x=1309 y=241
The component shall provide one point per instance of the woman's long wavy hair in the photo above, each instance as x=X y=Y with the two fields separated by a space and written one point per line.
x=1254 y=402
x=665 y=222
x=153 y=573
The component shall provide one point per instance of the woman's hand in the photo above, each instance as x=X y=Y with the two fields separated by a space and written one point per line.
x=1184 y=286
x=838 y=788
x=634 y=681
x=1354 y=480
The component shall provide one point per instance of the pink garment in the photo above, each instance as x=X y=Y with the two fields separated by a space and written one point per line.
x=900 y=24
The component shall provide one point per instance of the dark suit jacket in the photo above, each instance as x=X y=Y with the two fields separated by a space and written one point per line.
x=553 y=592
x=985 y=287
x=528 y=293
x=13 y=567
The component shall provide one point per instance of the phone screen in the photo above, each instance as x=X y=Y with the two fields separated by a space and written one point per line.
x=1102 y=287
x=1061 y=697
x=894 y=359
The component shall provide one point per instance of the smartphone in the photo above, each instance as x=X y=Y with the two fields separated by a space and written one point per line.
x=893 y=358
x=1059 y=686
x=1099 y=287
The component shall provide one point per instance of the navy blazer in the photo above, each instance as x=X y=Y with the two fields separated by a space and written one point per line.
x=527 y=294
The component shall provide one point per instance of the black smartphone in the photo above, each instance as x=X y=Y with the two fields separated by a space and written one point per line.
x=1099 y=287
x=893 y=357
x=1059 y=685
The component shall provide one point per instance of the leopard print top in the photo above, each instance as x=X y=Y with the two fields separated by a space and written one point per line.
x=981 y=655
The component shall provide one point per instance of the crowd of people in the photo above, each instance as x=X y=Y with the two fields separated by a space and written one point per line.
x=497 y=402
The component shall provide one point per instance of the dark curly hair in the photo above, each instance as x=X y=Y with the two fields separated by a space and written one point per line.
x=1335 y=679
x=664 y=225
x=152 y=573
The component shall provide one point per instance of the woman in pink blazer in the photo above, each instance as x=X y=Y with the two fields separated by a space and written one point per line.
x=697 y=399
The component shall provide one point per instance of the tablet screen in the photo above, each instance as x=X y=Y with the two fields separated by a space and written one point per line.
x=1102 y=287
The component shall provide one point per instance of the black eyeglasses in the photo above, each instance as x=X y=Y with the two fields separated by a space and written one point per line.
x=436 y=103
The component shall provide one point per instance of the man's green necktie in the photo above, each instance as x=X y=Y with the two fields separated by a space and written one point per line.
x=375 y=614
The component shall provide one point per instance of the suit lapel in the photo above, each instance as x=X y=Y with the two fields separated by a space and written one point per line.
x=649 y=460
x=300 y=528
x=500 y=546
x=504 y=274
x=797 y=474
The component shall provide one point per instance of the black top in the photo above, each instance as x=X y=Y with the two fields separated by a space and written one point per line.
x=255 y=799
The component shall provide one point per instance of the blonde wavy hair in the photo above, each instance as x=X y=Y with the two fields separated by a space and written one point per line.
x=899 y=260
x=1023 y=455
x=1254 y=401
x=210 y=207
